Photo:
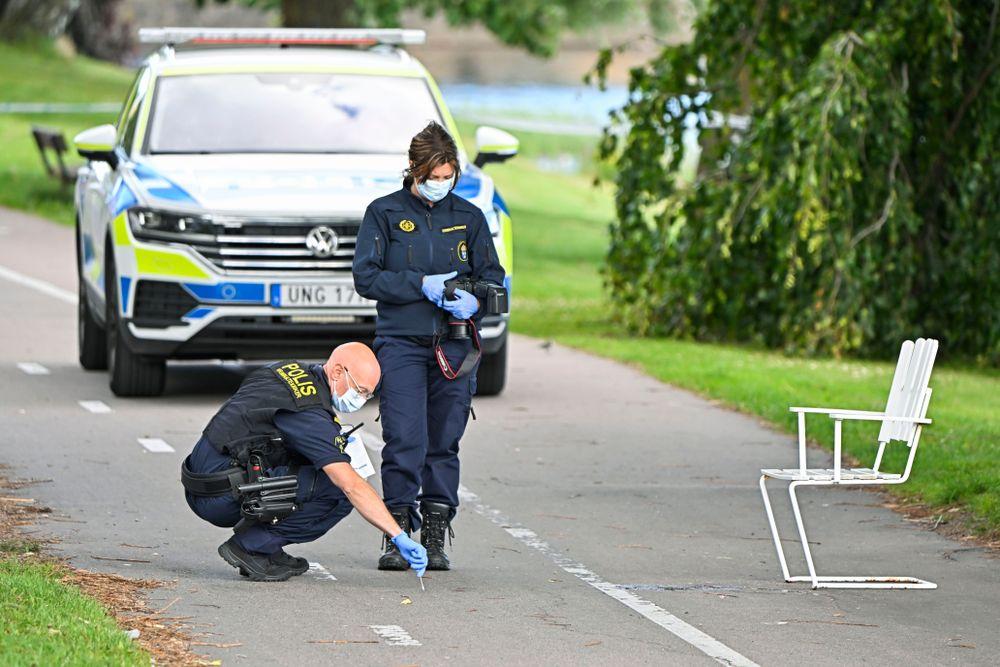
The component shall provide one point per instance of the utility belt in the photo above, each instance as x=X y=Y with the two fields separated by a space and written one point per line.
x=261 y=497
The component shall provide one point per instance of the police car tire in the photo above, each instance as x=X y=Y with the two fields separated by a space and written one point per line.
x=492 y=374
x=92 y=342
x=131 y=374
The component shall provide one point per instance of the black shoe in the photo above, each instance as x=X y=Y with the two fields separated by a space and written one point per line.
x=436 y=522
x=299 y=565
x=391 y=559
x=257 y=567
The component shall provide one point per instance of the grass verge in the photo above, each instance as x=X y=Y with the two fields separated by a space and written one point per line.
x=54 y=614
x=49 y=623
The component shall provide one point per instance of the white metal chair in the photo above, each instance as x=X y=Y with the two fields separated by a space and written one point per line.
x=904 y=416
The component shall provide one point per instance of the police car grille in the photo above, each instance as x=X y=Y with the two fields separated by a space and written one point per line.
x=160 y=304
x=253 y=247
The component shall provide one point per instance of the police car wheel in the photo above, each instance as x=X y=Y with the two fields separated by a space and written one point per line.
x=492 y=375
x=91 y=340
x=131 y=374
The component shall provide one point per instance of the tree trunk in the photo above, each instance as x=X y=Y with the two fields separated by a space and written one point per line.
x=316 y=14
x=97 y=31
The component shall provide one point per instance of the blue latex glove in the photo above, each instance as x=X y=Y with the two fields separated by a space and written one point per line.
x=433 y=286
x=414 y=553
x=463 y=306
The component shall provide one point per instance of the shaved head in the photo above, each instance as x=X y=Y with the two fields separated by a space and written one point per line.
x=359 y=361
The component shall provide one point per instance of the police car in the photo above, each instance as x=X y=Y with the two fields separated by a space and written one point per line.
x=217 y=218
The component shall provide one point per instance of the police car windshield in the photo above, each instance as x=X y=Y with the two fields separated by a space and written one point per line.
x=288 y=112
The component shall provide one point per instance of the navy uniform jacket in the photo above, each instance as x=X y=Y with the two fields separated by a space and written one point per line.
x=401 y=240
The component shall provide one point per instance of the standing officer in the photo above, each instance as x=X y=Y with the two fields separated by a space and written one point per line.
x=409 y=244
x=280 y=423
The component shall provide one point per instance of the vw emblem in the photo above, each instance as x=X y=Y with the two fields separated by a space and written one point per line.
x=322 y=241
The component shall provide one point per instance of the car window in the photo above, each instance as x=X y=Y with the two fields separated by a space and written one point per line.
x=288 y=112
x=127 y=133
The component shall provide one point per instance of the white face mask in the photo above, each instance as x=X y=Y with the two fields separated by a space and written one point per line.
x=351 y=401
x=435 y=191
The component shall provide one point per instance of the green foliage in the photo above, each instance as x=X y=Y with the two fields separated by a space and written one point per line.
x=862 y=205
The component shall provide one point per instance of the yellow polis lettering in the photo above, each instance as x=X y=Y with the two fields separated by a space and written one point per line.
x=297 y=379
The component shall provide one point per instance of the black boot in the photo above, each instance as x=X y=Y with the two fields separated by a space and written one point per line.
x=300 y=565
x=258 y=567
x=391 y=559
x=436 y=521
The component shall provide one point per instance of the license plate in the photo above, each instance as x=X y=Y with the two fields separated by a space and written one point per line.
x=319 y=296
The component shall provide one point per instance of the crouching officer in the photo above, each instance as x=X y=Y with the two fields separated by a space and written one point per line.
x=272 y=464
x=410 y=243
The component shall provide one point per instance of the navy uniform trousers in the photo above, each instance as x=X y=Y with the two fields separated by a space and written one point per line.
x=321 y=506
x=423 y=418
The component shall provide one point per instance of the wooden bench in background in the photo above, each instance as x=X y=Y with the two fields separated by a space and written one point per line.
x=53 y=141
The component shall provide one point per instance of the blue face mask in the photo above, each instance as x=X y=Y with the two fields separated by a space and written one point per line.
x=351 y=401
x=435 y=191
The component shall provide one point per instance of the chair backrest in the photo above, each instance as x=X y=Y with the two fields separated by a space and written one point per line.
x=909 y=394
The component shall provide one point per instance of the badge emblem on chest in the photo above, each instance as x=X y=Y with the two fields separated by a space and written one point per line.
x=463 y=251
x=407 y=225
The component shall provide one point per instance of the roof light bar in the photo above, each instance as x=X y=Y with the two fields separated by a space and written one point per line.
x=314 y=36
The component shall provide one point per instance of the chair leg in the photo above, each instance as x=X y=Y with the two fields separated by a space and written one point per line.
x=802 y=534
x=842 y=581
x=774 y=528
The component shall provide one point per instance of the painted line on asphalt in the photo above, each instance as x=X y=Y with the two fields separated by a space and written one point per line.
x=705 y=643
x=40 y=285
x=32 y=368
x=394 y=635
x=156 y=445
x=320 y=572
x=96 y=407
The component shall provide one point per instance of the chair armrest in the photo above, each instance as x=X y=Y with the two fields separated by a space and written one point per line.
x=855 y=416
x=826 y=411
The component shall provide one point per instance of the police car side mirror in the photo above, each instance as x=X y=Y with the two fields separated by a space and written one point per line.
x=98 y=144
x=494 y=145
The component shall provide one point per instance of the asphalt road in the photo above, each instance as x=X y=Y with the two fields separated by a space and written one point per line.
x=608 y=519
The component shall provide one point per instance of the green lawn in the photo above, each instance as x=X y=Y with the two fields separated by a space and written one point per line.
x=34 y=72
x=46 y=622
x=560 y=226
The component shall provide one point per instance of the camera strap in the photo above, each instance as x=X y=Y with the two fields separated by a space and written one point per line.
x=470 y=361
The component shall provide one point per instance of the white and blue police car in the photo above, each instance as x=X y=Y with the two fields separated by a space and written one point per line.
x=217 y=218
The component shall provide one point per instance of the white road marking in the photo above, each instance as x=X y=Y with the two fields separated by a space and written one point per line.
x=32 y=368
x=36 y=284
x=320 y=572
x=97 y=407
x=156 y=445
x=394 y=635
x=690 y=634
x=705 y=643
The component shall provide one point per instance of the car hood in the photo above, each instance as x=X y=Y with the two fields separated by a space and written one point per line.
x=298 y=184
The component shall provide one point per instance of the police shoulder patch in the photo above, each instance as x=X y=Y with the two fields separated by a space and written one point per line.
x=462 y=250
x=299 y=383
x=407 y=225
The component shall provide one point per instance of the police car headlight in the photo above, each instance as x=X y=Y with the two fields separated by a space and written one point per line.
x=163 y=225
